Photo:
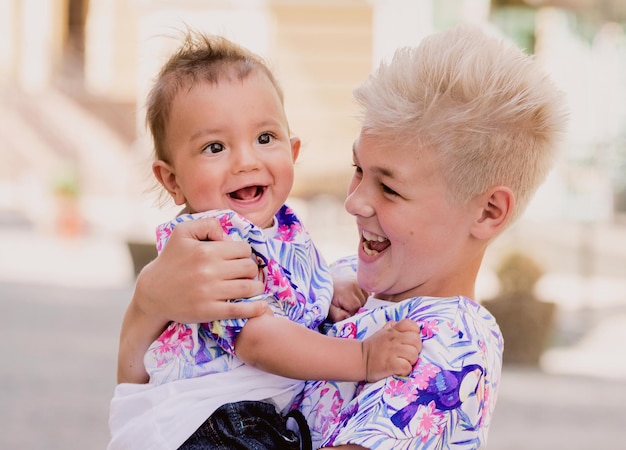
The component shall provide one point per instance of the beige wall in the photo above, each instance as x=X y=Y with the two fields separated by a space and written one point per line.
x=321 y=53
x=32 y=37
x=111 y=49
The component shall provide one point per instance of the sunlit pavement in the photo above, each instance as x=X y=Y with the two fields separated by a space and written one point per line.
x=61 y=304
x=58 y=373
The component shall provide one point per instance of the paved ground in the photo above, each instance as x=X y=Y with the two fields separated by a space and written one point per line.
x=60 y=313
x=59 y=346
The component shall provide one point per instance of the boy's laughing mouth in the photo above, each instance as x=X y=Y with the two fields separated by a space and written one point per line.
x=373 y=244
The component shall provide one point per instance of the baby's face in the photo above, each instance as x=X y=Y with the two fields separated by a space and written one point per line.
x=230 y=148
x=414 y=239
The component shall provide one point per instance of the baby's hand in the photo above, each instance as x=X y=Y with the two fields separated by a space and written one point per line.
x=348 y=297
x=393 y=350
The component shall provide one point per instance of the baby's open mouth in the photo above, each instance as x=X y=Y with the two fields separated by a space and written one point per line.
x=373 y=243
x=247 y=193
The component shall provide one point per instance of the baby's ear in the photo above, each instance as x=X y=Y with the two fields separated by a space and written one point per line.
x=166 y=175
x=295 y=148
x=495 y=209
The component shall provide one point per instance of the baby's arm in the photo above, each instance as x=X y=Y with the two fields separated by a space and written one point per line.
x=280 y=346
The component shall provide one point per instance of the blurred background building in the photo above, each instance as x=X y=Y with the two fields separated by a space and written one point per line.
x=75 y=180
x=98 y=57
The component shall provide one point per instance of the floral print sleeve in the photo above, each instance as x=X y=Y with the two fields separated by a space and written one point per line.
x=446 y=402
x=298 y=286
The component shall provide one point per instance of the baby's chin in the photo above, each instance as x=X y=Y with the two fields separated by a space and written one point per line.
x=259 y=219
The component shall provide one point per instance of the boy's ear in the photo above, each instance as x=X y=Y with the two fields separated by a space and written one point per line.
x=164 y=172
x=295 y=148
x=496 y=206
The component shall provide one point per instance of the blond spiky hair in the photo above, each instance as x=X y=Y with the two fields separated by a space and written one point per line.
x=486 y=108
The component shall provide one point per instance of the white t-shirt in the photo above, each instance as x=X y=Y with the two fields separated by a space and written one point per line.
x=162 y=417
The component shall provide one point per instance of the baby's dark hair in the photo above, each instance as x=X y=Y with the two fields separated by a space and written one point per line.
x=200 y=58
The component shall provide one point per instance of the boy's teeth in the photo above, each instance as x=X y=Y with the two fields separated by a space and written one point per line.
x=372 y=237
x=373 y=244
x=368 y=251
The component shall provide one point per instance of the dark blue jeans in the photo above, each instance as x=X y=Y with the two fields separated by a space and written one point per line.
x=247 y=425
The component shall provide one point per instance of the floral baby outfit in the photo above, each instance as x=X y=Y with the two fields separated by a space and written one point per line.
x=298 y=286
x=446 y=402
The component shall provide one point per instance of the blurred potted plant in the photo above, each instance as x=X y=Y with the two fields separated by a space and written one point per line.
x=69 y=220
x=526 y=321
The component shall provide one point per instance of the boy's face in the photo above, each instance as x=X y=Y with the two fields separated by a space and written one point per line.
x=414 y=239
x=230 y=149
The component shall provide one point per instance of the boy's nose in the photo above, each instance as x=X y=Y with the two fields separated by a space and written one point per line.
x=357 y=203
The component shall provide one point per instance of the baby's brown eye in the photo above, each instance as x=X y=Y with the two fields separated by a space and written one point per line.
x=265 y=138
x=214 y=147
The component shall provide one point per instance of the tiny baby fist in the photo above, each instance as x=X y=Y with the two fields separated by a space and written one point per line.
x=393 y=350
x=411 y=336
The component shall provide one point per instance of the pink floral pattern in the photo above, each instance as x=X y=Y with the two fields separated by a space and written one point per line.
x=172 y=343
x=446 y=402
x=298 y=286
x=429 y=421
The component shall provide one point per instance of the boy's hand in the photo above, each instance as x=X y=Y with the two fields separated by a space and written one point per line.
x=200 y=270
x=393 y=350
x=348 y=297
x=189 y=282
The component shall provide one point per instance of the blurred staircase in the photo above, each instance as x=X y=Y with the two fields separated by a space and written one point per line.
x=60 y=133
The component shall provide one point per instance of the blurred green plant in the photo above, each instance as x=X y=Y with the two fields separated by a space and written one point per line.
x=67 y=184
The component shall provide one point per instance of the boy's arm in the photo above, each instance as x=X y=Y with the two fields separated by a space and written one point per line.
x=280 y=346
x=137 y=333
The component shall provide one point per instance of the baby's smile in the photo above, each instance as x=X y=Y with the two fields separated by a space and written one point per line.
x=247 y=193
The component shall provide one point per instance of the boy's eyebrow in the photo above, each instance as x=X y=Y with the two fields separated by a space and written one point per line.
x=384 y=171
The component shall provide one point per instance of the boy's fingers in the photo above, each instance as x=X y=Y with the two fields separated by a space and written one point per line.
x=236 y=268
x=240 y=289
x=406 y=325
x=336 y=314
x=238 y=310
x=208 y=229
x=219 y=308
